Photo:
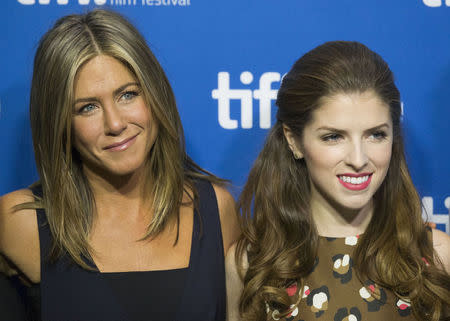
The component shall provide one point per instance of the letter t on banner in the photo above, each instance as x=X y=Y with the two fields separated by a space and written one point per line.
x=224 y=94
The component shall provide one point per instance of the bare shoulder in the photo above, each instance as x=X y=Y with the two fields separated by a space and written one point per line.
x=231 y=265
x=234 y=282
x=16 y=197
x=19 y=239
x=8 y=215
x=441 y=244
x=228 y=217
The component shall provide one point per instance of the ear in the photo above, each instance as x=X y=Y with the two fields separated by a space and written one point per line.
x=292 y=142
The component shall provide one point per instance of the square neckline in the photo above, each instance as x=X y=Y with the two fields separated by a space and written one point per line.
x=90 y=261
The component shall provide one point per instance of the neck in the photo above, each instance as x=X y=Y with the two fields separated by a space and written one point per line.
x=118 y=195
x=333 y=220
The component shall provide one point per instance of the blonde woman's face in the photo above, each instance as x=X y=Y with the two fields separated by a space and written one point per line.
x=112 y=126
x=347 y=149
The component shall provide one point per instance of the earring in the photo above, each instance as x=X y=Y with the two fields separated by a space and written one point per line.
x=296 y=154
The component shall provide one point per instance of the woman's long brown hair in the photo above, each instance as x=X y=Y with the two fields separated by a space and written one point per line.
x=279 y=235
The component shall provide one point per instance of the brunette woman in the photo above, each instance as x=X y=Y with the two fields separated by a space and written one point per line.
x=332 y=226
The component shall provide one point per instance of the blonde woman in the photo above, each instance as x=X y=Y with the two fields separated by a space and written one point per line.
x=336 y=231
x=122 y=225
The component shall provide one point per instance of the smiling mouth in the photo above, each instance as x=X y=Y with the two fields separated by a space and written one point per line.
x=122 y=145
x=355 y=182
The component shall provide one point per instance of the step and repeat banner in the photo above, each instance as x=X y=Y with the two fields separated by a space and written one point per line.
x=225 y=60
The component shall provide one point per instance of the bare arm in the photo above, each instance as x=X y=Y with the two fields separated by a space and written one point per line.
x=441 y=244
x=234 y=285
x=228 y=217
x=19 y=239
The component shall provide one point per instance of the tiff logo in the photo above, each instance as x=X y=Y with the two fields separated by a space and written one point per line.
x=428 y=215
x=63 y=2
x=264 y=94
x=436 y=3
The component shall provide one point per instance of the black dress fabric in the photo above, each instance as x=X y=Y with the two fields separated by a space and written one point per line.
x=163 y=296
x=12 y=307
x=71 y=293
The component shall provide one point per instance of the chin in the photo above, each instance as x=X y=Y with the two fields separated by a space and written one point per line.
x=125 y=171
x=115 y=169
x=355 y=205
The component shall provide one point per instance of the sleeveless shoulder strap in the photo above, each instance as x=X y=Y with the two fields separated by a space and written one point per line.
x=69 y=292
x=204 y=296
x=206 y=203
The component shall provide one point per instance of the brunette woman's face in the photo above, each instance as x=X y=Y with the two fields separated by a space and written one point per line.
x=347 y=148
x=112 y=126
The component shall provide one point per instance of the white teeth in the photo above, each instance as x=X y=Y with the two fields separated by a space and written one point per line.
x=354 y=180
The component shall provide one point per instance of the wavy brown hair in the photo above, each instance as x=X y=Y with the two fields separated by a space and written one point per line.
x=67 y=196
x=279 y=235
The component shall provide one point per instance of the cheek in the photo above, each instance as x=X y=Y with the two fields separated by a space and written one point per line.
x=381 y=156
x=322 y=158
x=139 y=110
x=84 y=133
x=145 y=116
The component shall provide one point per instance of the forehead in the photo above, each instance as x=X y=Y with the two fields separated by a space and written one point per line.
x=101 y=73
x=351 y=110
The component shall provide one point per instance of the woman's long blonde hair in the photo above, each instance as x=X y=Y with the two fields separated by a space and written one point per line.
x=279 y=234
x=67 y=196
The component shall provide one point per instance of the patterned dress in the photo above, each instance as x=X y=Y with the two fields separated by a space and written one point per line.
x=332 y=292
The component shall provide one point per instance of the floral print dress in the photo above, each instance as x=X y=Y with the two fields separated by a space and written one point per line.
x=332 y=292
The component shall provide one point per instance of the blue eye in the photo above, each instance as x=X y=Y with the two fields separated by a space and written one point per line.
x=87 y=109
x=379 y=135
x=129 y=95
x=331 y=137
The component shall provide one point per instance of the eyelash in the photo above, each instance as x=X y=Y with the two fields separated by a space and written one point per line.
x=83 y=109
x=331 y=137
x=334 y=137
x=379 y=135
x=133 y=93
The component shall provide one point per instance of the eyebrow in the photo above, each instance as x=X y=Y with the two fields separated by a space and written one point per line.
x=115 y=93
x=343 y=131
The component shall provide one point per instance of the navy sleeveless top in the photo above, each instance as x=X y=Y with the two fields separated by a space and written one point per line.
x=71 y=293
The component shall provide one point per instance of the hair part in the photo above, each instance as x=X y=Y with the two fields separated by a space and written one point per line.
x=279 y=234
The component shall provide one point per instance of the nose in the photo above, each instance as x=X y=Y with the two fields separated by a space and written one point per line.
x=114 y=122
x=357 y=156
